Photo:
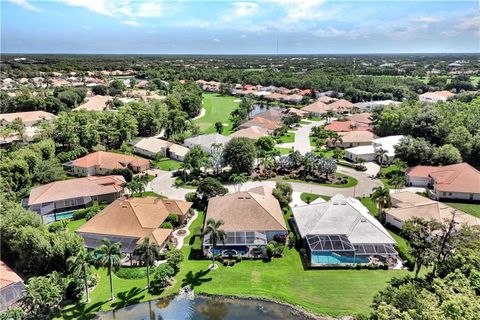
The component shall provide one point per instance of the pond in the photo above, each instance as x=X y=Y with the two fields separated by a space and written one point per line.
x=204 y=307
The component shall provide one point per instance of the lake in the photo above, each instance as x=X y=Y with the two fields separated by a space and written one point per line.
x=204 y=307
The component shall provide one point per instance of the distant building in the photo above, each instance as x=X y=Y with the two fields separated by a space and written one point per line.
x=95 y=103
x=73 y=194
x=150 y=147
x=457 y=181
x=102 y=162
x=368 y=152
x=206 y=141
x=29 y=118
x=346 y=126
x=435 y=96
x=377 y=103
x=252 y=132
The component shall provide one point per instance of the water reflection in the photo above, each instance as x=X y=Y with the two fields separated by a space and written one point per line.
x=203 y=308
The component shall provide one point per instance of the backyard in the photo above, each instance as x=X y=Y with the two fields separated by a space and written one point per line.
x=470 y=208
x=332 y=292
x=217 y=109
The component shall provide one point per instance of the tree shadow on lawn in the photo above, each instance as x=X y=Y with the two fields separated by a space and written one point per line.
x=82 y=311
x=129 y=297
x=196 y=279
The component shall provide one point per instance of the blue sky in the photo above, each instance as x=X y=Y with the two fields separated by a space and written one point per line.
x=238 y=27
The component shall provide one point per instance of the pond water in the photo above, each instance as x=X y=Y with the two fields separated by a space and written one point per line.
x=204 y=307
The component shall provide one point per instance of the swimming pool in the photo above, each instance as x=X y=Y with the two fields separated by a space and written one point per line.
x=49 y=218
x=335 y=258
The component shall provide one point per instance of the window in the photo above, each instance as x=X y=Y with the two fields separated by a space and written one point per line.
x=444 y=193
x=449 y=193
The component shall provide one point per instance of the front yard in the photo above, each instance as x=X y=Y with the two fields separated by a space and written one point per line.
x=167 y=164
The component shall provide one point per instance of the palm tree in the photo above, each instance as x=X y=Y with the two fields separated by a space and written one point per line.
x=381 y=156
x=108 y=255
x=79 y=265
x=361 y=161
x=239 y=180
x=216 y=235
x=329 y=115
x=185 y=166
x=381 y=196
x=147 y=252
x=398 y=181
x=133 y=186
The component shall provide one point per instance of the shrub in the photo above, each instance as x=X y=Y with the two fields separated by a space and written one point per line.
x=173 y=219
x=74 y=288
x=174 y=258
x=131 y=273
x=280 y=238
x=166 y=225
x=161 y=276
x=191 y=197
x=125 y=172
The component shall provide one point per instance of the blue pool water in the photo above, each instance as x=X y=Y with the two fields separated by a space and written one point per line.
x=49 y=218
x=241 y=250
x=334 y=258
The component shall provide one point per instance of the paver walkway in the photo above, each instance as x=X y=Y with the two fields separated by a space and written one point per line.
x=182 y=237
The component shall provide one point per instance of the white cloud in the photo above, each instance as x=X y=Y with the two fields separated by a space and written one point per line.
x=132 y=23
x=241 y=10
x=26 y=5
x=216 y=40
x=149 y=9
x=425 y=20
x=120 y=8
x=470 y=23
x=301 y=10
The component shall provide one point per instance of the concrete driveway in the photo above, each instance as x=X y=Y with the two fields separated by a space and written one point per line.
x=302 y=137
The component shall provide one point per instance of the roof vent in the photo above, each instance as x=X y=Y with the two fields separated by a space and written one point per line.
x=335 y=203
x=363 y=220
x=343 y=203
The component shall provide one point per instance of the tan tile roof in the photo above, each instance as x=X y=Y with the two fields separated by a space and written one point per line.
x=155 y=145
x=342 y=105
x=27 y=117
x=95 y=103
x=261 y=122
x=327 y=99
x=460 y=177
x=421 y=207
x=252 y=132
x=253 y=210
x=364 y=118
x=74 y=188
x=8 y=276
x=357 y=136
x=316 y=107
x=345 y=126
x=437 y=94
x=109 y=160
x=136 y=217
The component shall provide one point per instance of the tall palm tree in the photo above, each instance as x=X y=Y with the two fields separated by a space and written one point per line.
x=381 y=156
x=185 y=167
x=79 y=265
x=381 y=196
x=216 y=235
x=398 y=181
x=147 y=252
x=239 y=180
x=329 y=115
x=108 y=255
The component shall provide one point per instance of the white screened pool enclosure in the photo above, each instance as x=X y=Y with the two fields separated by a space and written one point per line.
x=251 y=244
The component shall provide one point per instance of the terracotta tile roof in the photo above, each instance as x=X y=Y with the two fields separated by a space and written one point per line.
x=253 y=210
x=342 y=105
x=409 y=205
x=28 y=118
x=74 y=188
x=261 y=122
x=136 y=217
x=438 y=94
x=95 y=103
x=252 y=132
x=8 y=276
x=364 y=118
x=155 y=145
x=345 y=126
x=316 y=107
x=109 y=160
x=357 y=136
x=460 y=177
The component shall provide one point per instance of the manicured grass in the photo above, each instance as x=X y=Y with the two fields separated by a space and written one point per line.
x=283 y=151
x=217 y=109
x=351 y=181
x=370 y=204
x=470 y=208
x=332 y=292
x=167 y=164
x=75 y=224
x=313 y=196
x=384 y=171
x=289 y=137
x=147 y=194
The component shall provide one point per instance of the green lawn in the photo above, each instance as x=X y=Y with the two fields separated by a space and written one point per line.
x=167 y=164
x=147 y=194
x=384 y=171
x=217 y=109
x=289 y=137
x=313 y=196
x=470 y=208
x=75 y=224
x=283 y=151
x=351 y=181
x=371 y=206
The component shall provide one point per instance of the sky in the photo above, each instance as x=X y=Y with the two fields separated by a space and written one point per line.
x=239 y=27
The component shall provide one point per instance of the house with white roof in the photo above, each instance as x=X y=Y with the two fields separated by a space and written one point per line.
x=342 y=231
x=150 y=147
x=368 y=152
x=206 y=141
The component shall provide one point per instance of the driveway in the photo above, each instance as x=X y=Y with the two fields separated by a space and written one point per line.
x=302 y=137
x=164 y=184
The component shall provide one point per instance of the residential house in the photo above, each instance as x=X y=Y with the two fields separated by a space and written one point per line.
x=353 y=139
x=95 y=103
x=346 y=126
x=342 y=231
x=368 y=152
x=458 y=181
x=326 y=99
x=292 y=98
x=295 y=111
x=435 y=96
x=371 y=104
x=29 y=118
x=341 y=106
x=73 y=194
x=363 y=119
x=317 y=108
x=11 y=287
x=150 y=147
x=102 y=162
x=251 y=220
x=252 y=132
x=130 y=220
x=407 y=205
x=206 y=141
x=270 y=119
